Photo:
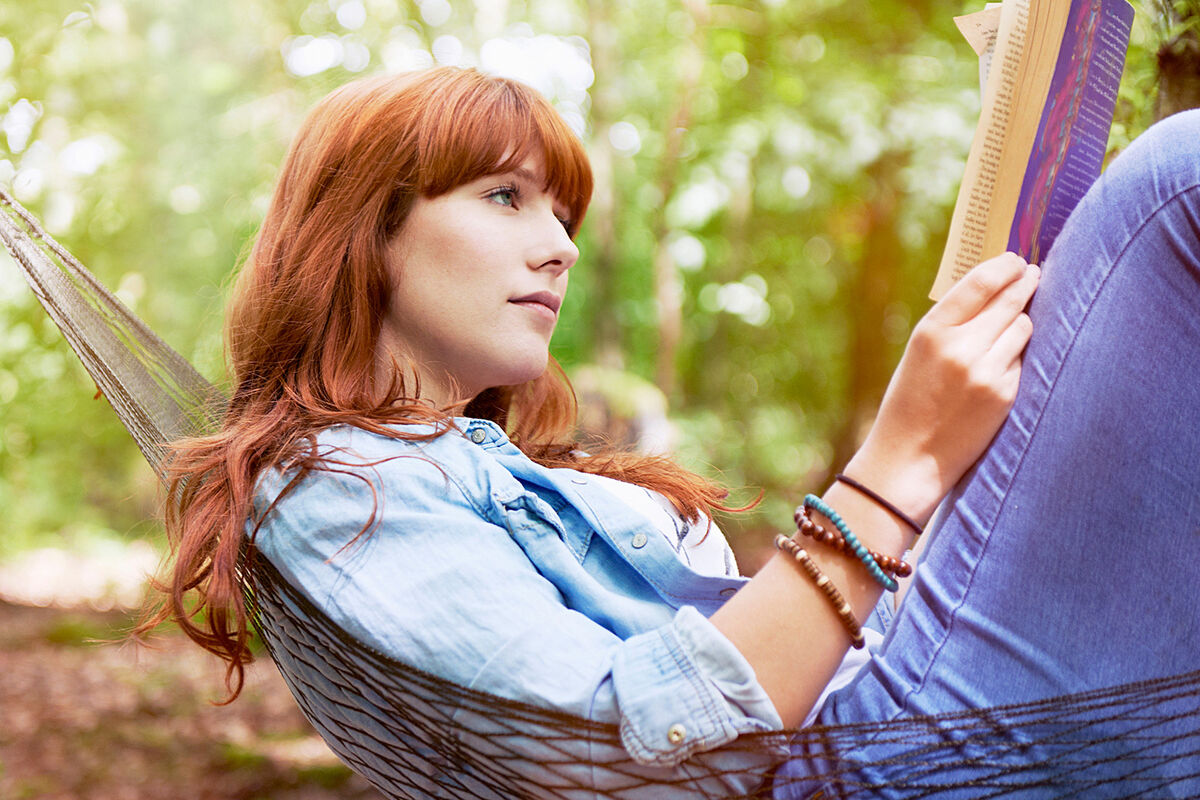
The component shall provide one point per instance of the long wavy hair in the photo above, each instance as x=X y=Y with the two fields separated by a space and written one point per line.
x=305 y=317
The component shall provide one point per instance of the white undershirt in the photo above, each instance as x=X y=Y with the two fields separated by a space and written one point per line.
x=700 y=545
x=703 y=547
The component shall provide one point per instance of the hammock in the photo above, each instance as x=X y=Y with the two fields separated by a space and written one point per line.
x=157 y=394
x=414 y=735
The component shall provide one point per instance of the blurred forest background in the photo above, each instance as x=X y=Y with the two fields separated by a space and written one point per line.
x=774 y=184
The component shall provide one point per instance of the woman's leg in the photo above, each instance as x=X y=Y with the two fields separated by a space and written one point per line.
x=1069 y=559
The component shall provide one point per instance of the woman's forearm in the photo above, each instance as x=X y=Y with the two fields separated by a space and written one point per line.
x=949 y=395
x=785 y=625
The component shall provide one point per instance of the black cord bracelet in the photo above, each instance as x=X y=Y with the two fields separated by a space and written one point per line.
x=897 y=513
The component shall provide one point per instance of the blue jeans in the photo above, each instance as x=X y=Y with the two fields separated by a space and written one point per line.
x=1069 y=558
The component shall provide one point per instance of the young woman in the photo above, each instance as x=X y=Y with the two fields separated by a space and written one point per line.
x=399 y=447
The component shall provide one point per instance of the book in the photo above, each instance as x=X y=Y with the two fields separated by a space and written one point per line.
x=1052 y=70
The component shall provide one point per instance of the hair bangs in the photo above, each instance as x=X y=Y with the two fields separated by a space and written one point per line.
x=568 y=171
x=493 y=126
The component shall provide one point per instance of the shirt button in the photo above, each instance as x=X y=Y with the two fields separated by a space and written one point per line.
x=478 y=435
x=728 y=591
x=639 y=540
x=676 y=734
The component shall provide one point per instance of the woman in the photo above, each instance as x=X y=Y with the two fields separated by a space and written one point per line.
x=399 y=446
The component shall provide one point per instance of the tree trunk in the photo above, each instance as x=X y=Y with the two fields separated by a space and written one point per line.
x=606 y=346
x=873 y=289
x=668 y=288
x=1179 y=65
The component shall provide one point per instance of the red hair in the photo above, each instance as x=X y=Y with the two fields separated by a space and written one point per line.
x=305 y=319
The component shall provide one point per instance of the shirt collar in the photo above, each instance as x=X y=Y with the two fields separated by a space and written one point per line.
x=482 y=432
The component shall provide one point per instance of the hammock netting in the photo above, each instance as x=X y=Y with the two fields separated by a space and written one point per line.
x=414 y=735
x=157 y=394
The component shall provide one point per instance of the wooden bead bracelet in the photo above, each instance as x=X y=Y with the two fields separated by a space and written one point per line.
x=844 y=611
x=819 y=533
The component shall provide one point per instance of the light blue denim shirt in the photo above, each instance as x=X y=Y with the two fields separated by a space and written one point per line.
x=530 y=583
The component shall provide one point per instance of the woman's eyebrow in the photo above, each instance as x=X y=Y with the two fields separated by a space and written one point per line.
x=526 y=175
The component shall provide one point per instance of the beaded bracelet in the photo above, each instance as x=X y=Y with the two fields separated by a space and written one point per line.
x=819 y=533
x=844 y=611
x=852 y=543
x=879 y=500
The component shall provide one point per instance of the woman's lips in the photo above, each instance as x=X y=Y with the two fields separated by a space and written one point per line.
x=545 y=304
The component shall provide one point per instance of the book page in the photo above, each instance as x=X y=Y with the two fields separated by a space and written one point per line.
x=980 y=29
x=1029 y=37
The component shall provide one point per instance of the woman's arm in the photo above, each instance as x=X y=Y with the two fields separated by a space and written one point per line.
x=949 y=395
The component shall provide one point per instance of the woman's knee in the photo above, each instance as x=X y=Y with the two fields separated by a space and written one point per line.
x=1178 y=133
x=1161 y=163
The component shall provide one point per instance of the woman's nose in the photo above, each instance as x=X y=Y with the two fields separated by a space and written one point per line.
x=555 y=249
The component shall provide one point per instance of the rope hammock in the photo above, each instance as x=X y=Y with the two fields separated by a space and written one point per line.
x=414 y=735
x=157 y=394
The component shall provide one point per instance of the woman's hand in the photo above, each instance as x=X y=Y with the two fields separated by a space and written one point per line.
x=953 y=388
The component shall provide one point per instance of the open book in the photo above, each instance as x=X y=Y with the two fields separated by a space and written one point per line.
x=1052 y=70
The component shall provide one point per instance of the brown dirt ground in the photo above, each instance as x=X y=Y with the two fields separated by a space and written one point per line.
x=81 y=720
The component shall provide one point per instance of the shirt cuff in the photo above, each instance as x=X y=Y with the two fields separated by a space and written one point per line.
x=685 y=688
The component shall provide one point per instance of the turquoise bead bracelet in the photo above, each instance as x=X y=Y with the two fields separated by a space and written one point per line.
x=811 y=501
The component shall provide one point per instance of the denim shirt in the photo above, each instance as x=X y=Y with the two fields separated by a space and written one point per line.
x=534 y=584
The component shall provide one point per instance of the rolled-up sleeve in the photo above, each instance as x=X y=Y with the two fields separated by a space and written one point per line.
x=684 y=688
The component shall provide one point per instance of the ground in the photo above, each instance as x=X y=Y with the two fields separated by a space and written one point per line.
x=88 y=720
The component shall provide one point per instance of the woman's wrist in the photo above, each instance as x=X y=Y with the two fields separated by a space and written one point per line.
x=913 y=485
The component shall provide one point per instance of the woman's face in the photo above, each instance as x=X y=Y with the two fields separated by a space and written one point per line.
x=481 y=273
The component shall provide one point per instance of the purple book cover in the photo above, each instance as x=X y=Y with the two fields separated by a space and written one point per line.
x=1072 y=138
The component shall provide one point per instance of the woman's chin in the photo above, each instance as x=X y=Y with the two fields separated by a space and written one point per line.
x=529 y=370
x=518 y=373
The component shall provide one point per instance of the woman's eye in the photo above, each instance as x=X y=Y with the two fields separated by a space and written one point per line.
x=504 y=197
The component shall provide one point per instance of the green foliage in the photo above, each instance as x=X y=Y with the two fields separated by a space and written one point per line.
x=760 y=153
x=237 y=757
x=77 y=630
x=327 y=776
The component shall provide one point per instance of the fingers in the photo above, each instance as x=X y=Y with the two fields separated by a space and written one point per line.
x=996 y=317
x=997 y=375
x=967 y=298
x=1007 y=350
